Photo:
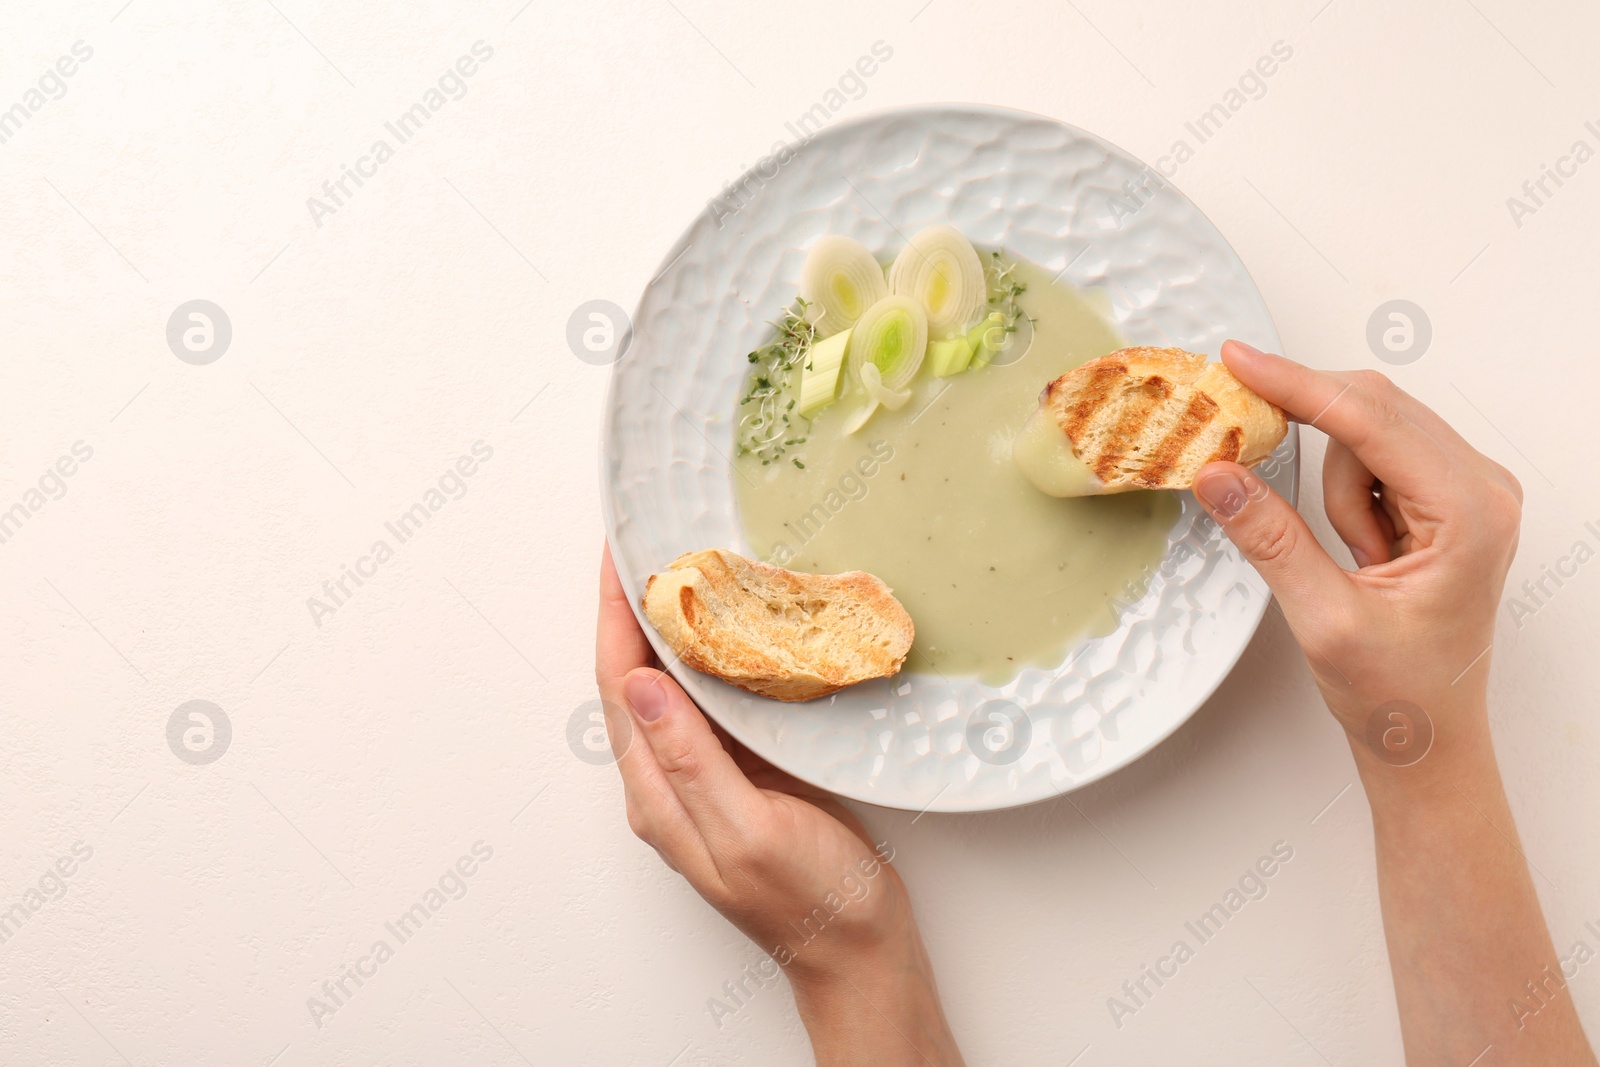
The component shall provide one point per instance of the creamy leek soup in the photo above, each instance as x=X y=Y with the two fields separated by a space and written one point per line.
x=996 y=574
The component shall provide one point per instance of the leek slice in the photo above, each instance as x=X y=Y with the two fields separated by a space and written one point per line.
x=840 y=280
x=892 y=336
x=819 y=380
x=859 y=419
x=987 y=338
x=878 y=395
x=946 y=358
x=940 y=269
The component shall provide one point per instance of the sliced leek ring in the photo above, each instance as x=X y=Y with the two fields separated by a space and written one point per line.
x=877 y=392
x=840 y=281
x=940 y=269
x=878 y=395
x=859 y=419
x=892 y=337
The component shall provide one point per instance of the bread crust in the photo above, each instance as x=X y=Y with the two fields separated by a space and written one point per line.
x=1150 y=418
x=776 y=632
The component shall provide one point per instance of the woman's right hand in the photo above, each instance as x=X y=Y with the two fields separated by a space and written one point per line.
x=1400 y=649
x=1432 y=525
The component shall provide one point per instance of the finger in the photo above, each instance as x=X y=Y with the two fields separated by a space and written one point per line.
x=619 y=644
x=1388 y=514
x=1347 y=488
x=1392 y=516
x=719 y=799
x=1272 y=536
x=655 y=813
x=657 y=817
x=1372 y=417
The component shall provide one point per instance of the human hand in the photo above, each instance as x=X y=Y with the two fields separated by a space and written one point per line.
x=783 y=861
x=1432 y=524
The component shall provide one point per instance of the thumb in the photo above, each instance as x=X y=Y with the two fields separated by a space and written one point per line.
x=1271 y=535
x=715 y=793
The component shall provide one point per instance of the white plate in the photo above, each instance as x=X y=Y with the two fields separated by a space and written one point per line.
x=1044 y=191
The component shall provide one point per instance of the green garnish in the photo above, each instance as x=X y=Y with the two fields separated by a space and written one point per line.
x=1004 y=288
x=763 y=429
x=995 y=329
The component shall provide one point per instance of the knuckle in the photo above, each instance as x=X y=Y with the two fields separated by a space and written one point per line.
x=1372 y=382
x=679 y=759
x=749 y=878
x=1338 y=635
x=752 y=848
x=640 y=824
x=1386 y=416
x=756 y=862
x=1503 y=510
x=1274 y=541
x=1381 y=398
x=722 y=898
x=1513 y=483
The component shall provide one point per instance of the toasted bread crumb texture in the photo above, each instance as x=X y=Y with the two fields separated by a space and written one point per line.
x=777 y=632
x=1150 y=418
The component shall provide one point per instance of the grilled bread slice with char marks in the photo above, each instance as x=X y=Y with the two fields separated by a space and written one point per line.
x=1150 y=418
x=777 y=632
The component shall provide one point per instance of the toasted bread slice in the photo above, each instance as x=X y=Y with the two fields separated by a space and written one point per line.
x=1150 y=418
x=776 y=632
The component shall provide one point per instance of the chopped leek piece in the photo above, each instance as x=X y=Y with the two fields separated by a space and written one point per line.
x=940 y=269
x=840 y=281
x=819 y=380
x=949 y=357
x=892 y=336
x=987 y=338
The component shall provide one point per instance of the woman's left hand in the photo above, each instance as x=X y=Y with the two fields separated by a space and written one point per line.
x=783 y=861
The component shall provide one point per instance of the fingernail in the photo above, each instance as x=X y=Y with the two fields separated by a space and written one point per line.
x=1223 y=493
x=1249 y=349
x=645 y=695
x=1361 y=558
